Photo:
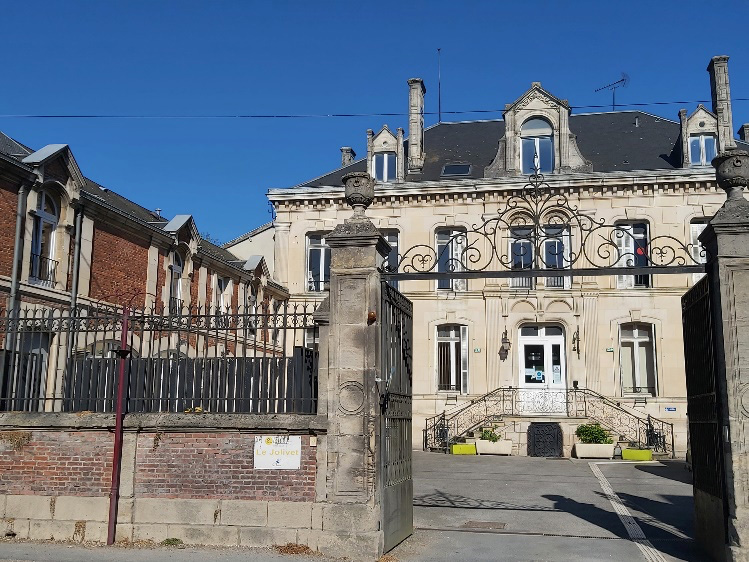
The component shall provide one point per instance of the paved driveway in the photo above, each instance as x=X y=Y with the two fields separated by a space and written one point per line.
x=521 y=508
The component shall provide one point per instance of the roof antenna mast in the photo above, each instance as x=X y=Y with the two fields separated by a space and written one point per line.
x=439 y=85
x=621 y=83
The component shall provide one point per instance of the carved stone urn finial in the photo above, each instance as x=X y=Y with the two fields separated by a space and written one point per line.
x=360 y=190
x=732 y=172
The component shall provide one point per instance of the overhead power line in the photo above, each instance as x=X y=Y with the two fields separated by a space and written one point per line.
x=318 y=115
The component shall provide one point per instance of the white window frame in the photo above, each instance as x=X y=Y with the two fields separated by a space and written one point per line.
x=324 y=263
x=635 y=340
x=537 y=146
x=388 y=176
x=701 y=136
x=175 y=284
x=626 y=251
x=458 y=343
x=457 y=238
x=696 y=227
x=42 y=218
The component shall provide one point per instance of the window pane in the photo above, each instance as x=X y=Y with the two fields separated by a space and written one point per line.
x=536 y=127
x=314 y=269
x=529 y=331
x=533 y=356
x=628 y=366
x=391 y=166
x=556 y=363
x=627 y=331
x=554 y=254
x=695 y=155
x=546 y=154
x=553 y=331
x=529 y=150
x=326 y=266
x=709 y=149
x=379 y=166
x=647 y=366
x=314 y=239
x=443 y=365
x=456 y=170
x=522 y=255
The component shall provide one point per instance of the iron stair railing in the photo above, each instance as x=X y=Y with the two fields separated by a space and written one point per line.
x=447 y=428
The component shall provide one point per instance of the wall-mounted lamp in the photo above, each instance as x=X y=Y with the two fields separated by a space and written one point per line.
x=576 y=341
x=504 y=349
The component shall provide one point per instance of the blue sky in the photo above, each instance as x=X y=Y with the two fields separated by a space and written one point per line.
x=157 y=58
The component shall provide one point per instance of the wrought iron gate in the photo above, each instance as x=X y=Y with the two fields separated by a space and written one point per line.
x=395 y=428
x=703 y=407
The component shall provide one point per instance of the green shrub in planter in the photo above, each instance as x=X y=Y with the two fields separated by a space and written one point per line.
x=592 y=433
x=489 y=435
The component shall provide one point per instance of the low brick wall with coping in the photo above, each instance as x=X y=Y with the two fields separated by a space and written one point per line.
x=185 y=476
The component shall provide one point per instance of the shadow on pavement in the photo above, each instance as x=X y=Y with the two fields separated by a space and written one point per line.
x=445 y=500
x=673 y=470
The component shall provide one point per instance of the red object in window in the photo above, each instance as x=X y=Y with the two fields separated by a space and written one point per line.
x=640 y=251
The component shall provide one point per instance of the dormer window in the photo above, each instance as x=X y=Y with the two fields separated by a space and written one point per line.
x=537 y=146
x=701 y=149
x=385 y=166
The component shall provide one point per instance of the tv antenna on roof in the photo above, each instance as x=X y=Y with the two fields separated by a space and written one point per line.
x=621 y=83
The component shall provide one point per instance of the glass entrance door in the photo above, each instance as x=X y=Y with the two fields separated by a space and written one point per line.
x=542 y=377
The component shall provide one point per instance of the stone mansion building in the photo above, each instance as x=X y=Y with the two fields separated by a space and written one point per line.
x=617 y=335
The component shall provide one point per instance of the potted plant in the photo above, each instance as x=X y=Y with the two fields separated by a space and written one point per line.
x=594 y=442
x=492 y=444
x=633 y=453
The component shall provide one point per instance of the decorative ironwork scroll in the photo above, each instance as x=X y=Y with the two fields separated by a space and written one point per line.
x=540 y=232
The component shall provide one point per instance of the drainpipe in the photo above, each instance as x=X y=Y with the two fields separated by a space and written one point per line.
x=76 y=259
x=18 y=248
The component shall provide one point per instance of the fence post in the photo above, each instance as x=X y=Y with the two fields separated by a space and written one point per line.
x=726 y=239
x=352 y=400
x=114 y=491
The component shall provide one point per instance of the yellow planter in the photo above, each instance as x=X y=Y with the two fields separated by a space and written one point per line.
x=463 y=449
x=637 y=455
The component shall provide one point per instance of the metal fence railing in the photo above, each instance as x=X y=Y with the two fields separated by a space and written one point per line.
x=186 y=360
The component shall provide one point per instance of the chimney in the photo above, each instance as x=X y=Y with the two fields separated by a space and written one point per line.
x=416 y=91
x=744 y=132
x=684 y=138
x=721 y=95
x=347 y=156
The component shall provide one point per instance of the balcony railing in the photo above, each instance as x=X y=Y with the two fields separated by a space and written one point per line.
x=43 y=269
x=521 y=282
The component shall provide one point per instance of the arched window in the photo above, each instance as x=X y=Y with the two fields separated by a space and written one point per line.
x=537 y=146
x=175 y=287
x=46 y=216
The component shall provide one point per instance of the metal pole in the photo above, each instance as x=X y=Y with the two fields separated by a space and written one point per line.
x=114 y=491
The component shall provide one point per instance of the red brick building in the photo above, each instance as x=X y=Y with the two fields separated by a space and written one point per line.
x=67 y=240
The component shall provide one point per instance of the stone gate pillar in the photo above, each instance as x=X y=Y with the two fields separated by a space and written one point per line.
x=726 y=239
x=352 y=515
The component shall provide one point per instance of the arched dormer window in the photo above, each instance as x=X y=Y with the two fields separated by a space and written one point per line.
x=43 y=265
x=537 y=146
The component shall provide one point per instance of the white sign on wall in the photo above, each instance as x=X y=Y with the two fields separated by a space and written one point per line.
x=278 y=452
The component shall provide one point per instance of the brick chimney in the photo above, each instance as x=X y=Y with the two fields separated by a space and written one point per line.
x=744 y=132
x=416 y=155
x=347 y=156
x=721 y=95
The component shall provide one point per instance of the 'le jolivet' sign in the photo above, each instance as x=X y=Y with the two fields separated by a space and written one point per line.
x=278 y=452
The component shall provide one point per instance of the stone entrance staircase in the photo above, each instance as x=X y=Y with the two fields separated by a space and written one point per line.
x=510 y=411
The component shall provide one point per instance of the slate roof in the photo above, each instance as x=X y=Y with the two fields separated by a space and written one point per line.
x=610 y=141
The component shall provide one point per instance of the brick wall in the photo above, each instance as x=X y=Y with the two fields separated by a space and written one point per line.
x=8 y=207
x=201 y=465
x=119 y=266
x=55 y=462
x=216 y=465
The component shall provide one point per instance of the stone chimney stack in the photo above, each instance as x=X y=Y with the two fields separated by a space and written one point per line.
x=721 y=95
x=416 y=155
x=744 y=132
x=347 y=156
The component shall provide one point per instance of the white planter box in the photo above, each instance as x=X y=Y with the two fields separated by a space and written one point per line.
x=594 y=450
x=501 y=447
